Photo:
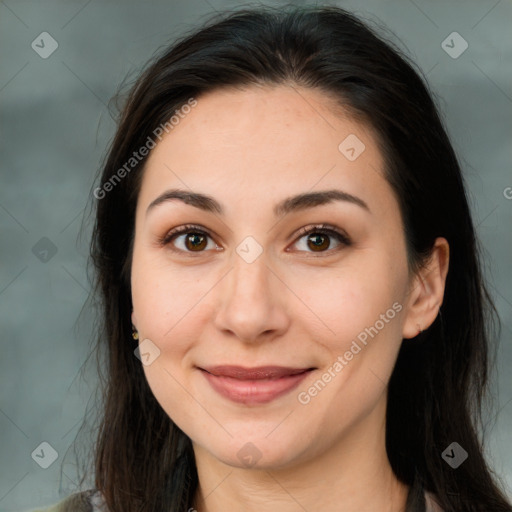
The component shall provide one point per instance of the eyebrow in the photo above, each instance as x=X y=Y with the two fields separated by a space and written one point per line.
x=288 y=205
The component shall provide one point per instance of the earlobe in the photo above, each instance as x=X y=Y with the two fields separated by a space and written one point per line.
x=427 y=294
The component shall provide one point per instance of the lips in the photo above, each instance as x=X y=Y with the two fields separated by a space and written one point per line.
x=252 y=386
x=256 y=373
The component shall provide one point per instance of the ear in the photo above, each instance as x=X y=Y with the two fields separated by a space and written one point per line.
x=134 y=319
x=427 y=291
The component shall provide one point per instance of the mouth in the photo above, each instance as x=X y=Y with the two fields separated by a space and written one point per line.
x=252 y=386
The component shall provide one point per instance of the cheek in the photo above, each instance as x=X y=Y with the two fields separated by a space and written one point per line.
x=174 y=395
x=342 y=303
x=166 y=304
x=168 y=301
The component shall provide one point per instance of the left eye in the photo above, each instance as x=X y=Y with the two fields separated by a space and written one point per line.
x=195 y=239
x=318 y=237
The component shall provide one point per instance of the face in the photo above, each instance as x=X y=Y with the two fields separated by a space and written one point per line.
x=245 y=285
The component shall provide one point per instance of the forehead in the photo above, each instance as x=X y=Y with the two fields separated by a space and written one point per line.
x=266 y=143
x=266 y=116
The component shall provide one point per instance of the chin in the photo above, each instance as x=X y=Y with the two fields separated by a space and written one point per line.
x=248 y=451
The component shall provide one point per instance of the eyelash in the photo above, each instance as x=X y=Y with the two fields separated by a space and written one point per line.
x=324 y=229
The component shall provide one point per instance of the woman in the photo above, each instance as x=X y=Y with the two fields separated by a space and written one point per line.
x=282 y=232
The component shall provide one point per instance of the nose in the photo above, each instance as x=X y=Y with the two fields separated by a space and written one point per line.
x=252 y=302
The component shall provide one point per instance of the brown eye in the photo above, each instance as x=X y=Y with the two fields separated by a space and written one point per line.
x=319 y=241
x=195 y=241
x=319 y=238
x=191 y=239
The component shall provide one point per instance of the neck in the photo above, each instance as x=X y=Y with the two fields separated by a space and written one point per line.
x=354 y=475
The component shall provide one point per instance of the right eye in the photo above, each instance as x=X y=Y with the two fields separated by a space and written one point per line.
x=194 y=239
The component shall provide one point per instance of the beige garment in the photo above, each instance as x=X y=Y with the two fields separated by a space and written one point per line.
x=431 y=503
x=93 y=503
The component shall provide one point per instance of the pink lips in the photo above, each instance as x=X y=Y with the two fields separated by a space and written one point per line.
x=254 y=385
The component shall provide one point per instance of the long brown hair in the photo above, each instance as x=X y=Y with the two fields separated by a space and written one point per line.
x=143 y=461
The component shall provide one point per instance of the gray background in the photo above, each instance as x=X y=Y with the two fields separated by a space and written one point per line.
x=55 y=129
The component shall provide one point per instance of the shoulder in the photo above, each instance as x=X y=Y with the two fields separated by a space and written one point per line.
x=85 y=501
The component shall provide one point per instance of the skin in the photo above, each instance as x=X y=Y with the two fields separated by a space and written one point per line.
x=292 y=306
